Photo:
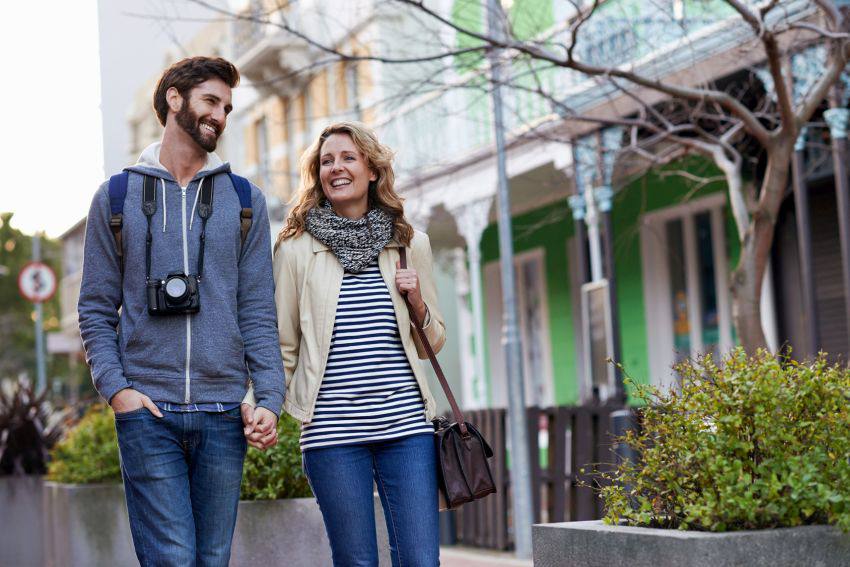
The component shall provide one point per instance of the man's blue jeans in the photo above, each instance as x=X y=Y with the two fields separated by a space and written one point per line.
x=406 y=475
x=182 y=474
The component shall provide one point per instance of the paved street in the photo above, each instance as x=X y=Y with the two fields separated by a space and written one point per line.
x=457 y=556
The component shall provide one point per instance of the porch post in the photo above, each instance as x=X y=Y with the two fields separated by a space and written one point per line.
x=576 y=203
x=610 y=141
x=838 y=118
x=466 y=332
x=472 y=219
x=804 y=245
x=605 y=197
x=584 y=162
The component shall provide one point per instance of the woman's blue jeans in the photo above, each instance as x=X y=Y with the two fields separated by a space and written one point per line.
x=405 y=473
x=182 y=474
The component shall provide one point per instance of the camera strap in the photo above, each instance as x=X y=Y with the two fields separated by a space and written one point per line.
x=204 y=211
x=148 y=208
x=205 y=201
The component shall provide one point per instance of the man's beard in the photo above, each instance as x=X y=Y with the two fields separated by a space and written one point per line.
x=190 y=122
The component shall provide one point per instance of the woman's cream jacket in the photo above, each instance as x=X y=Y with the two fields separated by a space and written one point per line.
x=308 y=278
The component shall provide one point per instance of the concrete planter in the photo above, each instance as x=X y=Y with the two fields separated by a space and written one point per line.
x=290 y=532
x=21 y=523
x=87 y=525
x=595 y=544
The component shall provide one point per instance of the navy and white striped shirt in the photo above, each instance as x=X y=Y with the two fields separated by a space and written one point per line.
x=368 y=392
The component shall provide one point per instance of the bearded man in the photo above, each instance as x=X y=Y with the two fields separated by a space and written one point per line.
x=176 y=313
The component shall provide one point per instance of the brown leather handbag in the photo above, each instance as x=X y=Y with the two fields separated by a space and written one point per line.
x=463 y=472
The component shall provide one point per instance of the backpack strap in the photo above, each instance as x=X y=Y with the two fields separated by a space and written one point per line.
x=117 y=194
x=246 y=216
x=148 y=209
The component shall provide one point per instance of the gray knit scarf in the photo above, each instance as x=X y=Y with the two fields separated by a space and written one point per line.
x=355 y=243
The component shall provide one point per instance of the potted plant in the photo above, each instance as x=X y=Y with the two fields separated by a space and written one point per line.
x=29 y=426
x=745 y=464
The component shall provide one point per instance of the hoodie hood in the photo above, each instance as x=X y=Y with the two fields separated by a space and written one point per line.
x=149 y=164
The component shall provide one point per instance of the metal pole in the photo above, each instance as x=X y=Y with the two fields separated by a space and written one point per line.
x=520 y=462
x=838 y=118
x=41 y=379
x=804 y=242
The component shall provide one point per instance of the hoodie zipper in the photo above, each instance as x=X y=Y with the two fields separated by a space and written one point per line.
x=186 y=272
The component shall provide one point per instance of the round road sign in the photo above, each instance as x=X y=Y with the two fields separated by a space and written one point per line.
x=37 y=282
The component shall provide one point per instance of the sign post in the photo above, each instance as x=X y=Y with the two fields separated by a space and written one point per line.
x=37 y=283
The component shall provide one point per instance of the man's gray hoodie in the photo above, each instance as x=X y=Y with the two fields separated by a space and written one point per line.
x=199 y=358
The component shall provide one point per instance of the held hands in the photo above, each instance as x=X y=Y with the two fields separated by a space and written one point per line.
x=260 y=426
x=129 y=399
x=407 y=282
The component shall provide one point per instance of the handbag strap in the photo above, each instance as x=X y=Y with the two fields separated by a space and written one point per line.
x=438 y=370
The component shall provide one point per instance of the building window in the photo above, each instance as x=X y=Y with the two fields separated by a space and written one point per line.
x=533 y=326
x=686 y=296
x=352 y=88
x=291 y=141
x=262 y=141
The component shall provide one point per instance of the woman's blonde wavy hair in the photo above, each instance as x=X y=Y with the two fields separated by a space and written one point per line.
x=382 y=194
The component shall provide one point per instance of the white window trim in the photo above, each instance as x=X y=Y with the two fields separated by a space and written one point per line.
x=656 y=282
x=494 y=325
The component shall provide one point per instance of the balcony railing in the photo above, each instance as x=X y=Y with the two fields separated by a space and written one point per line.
x=440 y=127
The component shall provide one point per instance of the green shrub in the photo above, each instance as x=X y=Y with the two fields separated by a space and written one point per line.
x=276 y=473
x=756 y=442
x=89 y=452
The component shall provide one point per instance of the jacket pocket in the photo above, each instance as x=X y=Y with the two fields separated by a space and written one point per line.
x=157 y=345
x=217 y=348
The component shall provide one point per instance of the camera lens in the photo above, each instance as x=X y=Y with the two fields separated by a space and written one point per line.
x=176 y=288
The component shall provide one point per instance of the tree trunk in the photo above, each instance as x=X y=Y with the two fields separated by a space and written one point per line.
x=746 y=289
x=746 y=284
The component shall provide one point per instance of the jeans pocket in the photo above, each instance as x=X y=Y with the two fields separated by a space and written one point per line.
x=234 y=414
x=130 y=414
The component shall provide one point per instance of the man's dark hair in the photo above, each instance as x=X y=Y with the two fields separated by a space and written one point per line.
x=188 y=73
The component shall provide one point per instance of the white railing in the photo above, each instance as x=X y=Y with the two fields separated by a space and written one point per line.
x=446 y=124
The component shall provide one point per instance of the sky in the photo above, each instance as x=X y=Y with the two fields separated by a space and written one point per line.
x=52 y=148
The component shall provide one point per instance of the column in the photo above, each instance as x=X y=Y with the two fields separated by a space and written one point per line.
x=418 y=217
x=604 y=198
x=838 y=119
x=585 y=164
x=465 y=331
x=576 y=203
x=804 y=245
x=472 y=219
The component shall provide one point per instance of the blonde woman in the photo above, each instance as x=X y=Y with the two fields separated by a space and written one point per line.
x=350 y=353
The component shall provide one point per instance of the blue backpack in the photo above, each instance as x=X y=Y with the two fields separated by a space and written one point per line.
x=118 y=193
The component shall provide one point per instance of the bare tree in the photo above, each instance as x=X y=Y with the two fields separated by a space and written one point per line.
x=667 y=114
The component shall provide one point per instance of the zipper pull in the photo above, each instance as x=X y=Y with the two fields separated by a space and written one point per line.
x=182 y=191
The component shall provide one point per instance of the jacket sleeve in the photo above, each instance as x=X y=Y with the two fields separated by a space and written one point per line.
x=435 y=328
x=256 y=309
x=288 y=315
x=100 y=298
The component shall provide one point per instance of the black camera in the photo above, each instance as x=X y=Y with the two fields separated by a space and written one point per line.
x=176 y=294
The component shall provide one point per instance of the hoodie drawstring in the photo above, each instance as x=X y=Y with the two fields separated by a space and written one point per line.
x=197 y=194
x=164 y=206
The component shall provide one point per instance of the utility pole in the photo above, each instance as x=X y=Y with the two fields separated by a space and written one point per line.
x=40 y=373
x=520 y=463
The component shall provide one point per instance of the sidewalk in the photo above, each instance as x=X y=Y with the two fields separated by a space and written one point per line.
x=459 y=556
